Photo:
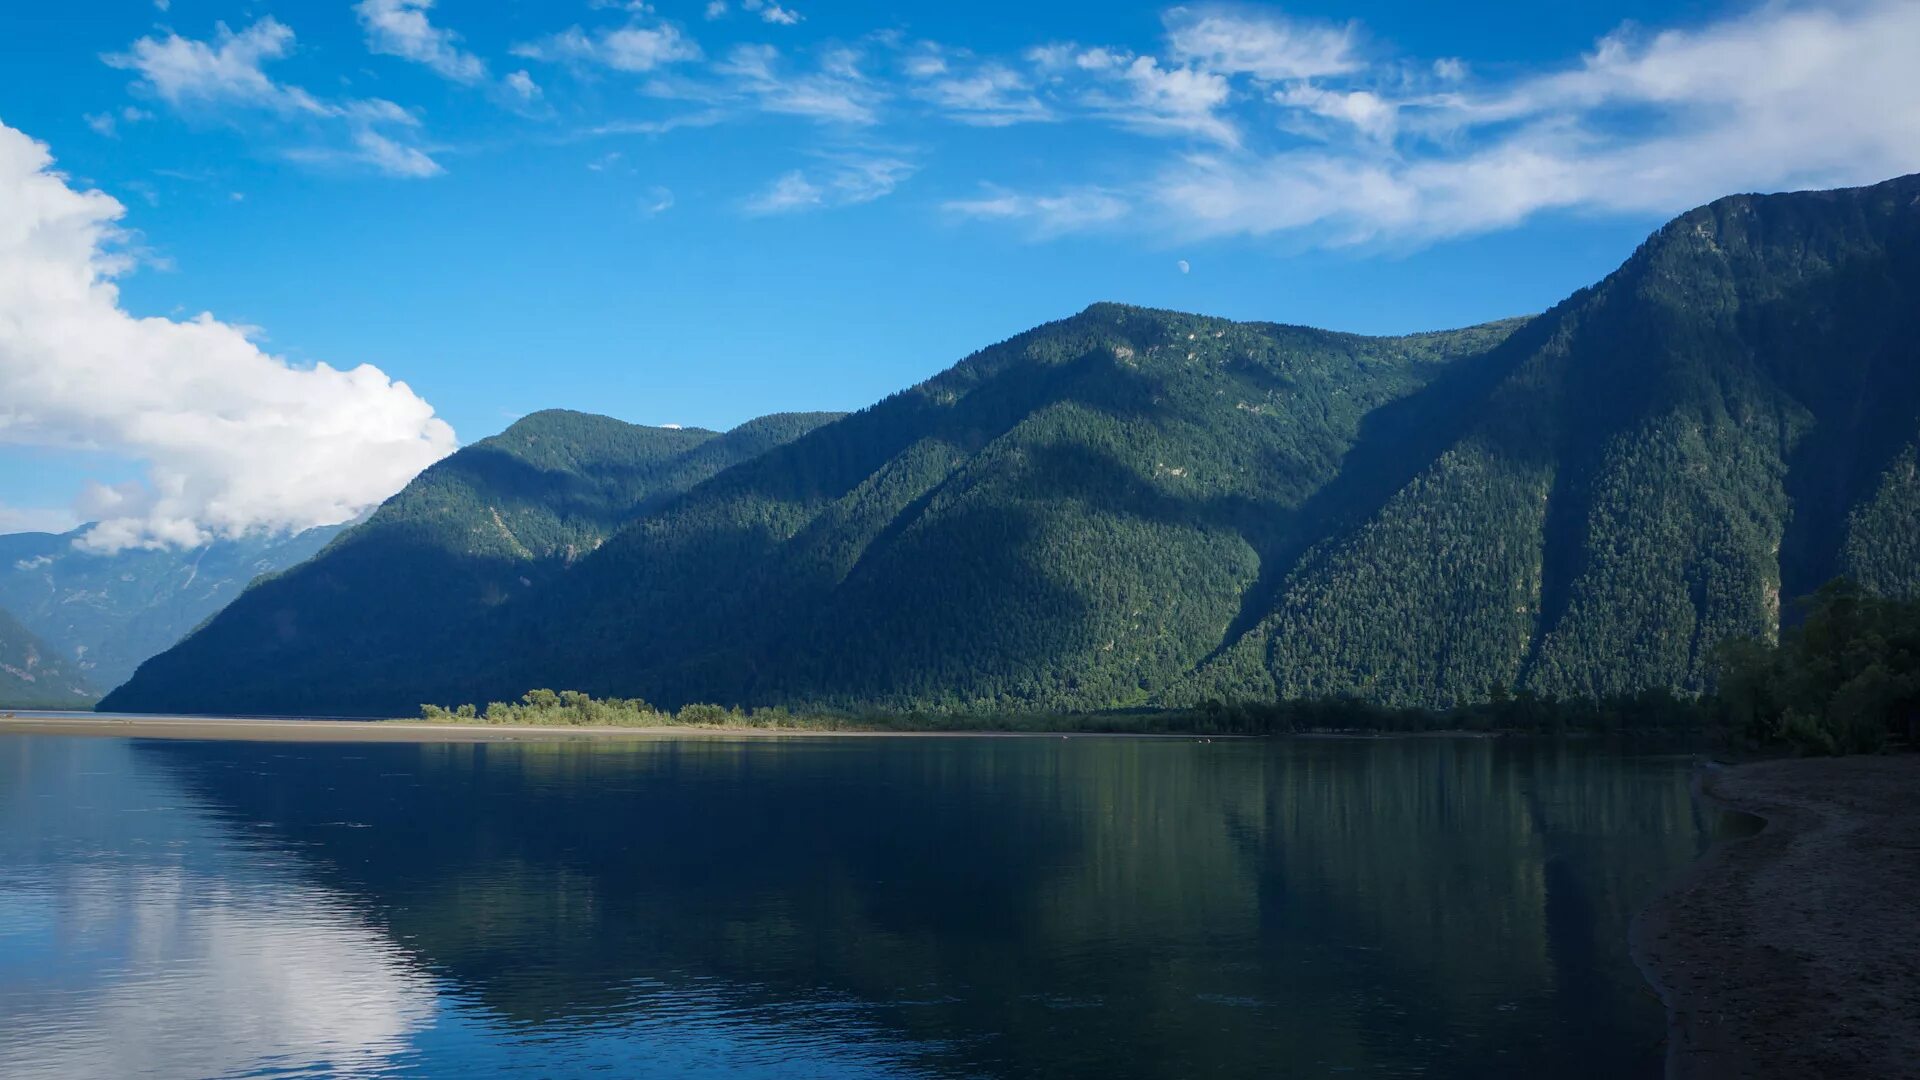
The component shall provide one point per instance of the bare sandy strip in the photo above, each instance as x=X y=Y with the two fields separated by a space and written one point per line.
x=1794 y=952
x=269 y=729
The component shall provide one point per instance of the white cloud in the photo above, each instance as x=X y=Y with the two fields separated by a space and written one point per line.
x=845 y=181
x=837 y=92
x=1046 y=215
x=989 y=94
x=1138 y=92
x=769 y=12
x=228 y=74
x=234 y=439
x=1785 y=95
x=1181 y=100
x=632 y=49
x=790 y=192
x=1265 y=45
x=390 y=157
x=103 y=124
x=401 y=28
x=1184 y=266
x=1363 y=110
x=716 y=9
x=658 y=200
x=184 y=72
x=522 y=85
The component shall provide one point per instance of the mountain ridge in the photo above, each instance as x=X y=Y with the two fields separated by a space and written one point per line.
x=1139 y=507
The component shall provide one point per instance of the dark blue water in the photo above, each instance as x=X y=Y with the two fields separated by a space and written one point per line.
x=830 y=907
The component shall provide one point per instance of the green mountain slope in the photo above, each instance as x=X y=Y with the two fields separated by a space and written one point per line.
x=1720 y=423
x=33 y=676
x=1076 y=515
x=496 y=519
x=104 y=614
x=1135 y=507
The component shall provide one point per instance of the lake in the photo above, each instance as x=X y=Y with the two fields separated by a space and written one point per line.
x=831 y=907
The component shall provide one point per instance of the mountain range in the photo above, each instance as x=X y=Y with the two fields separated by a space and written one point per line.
x=101 y=613
x=33 y=676
x=1133 y=507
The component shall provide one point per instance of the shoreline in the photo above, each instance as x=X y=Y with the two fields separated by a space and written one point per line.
x=1790 y=953
x=297 y=729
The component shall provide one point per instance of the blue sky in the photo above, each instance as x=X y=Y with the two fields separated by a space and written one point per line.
x=695 y=213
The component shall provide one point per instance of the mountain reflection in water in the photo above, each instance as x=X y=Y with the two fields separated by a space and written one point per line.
x=845 y=907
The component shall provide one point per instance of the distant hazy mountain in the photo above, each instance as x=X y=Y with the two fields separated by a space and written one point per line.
x=33 y=676
x=1136 y=507
x=496 y=520
x=104 y=614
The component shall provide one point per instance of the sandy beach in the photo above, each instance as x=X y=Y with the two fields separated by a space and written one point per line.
x=1793 y=952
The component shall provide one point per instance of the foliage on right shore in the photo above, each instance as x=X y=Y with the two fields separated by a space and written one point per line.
x=1844 y=680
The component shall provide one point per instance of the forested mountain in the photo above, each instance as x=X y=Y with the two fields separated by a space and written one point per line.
x=105 y=613
x=1136 y=507
x=33 y=676
x=496 y=519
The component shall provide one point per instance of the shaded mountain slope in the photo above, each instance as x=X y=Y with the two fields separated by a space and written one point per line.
x=1697 y=436
x=1134 y=507
x=497 y=518
x=1072 y=516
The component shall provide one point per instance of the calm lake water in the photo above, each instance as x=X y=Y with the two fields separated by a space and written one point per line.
x=831 y=907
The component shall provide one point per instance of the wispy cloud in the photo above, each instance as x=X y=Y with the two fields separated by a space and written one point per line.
x=401 y=28
x=226 y=77
x=846 y=180
x=985 y=94
x=522 y=86
x=836 y=91
x=1137 y=92
x=632 y=49
x=1045 y=215
x=1261 y=44
x=1351 y=152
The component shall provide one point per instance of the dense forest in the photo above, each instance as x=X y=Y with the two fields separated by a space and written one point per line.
x=1136 y=509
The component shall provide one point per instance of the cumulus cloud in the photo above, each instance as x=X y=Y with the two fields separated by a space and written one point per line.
x=226 y=77
x=402 y=28
x=234 y=440
x=846 y=181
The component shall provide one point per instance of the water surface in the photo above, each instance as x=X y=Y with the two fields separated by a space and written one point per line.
x=830 y=907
